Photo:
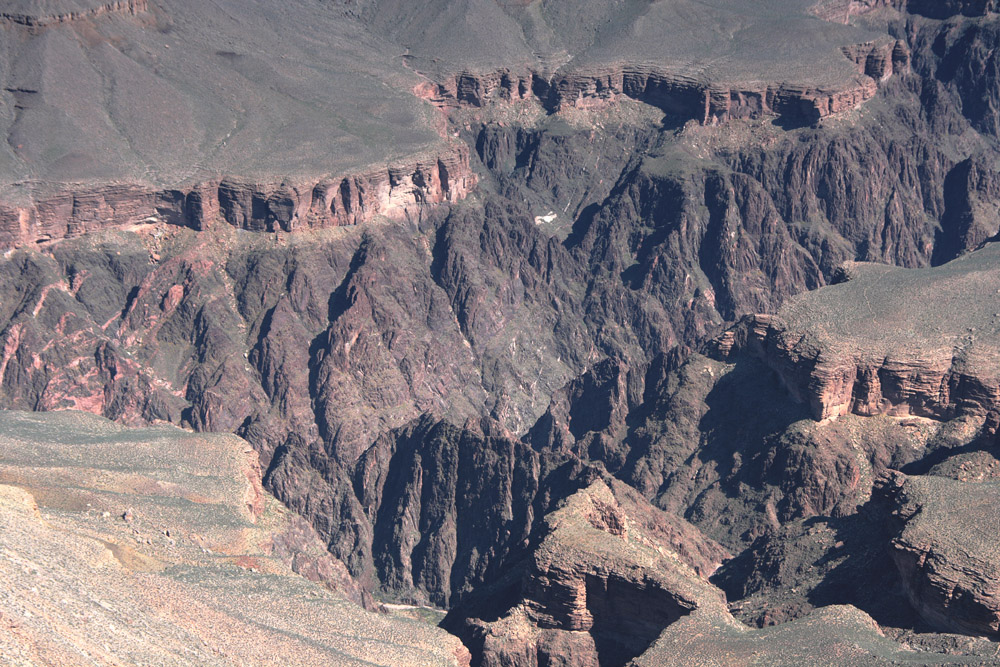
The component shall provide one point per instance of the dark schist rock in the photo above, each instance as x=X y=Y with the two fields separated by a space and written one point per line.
x=327 y=348
x=944 y=546
x=793 y=415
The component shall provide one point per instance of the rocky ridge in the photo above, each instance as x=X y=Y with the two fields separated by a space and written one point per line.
x=603 y=553
x=156 y=545
x=38 y=15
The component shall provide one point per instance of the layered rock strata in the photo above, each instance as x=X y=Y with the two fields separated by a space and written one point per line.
x=930 y=366
x=393 y=191
x=675 y=94
x=604 y=554
x=943 y=544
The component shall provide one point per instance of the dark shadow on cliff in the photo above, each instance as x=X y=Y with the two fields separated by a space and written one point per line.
x=861 y=571
x=940 y=455
x=799 y=121
x=706 y=445
x=620 y=634
x=819 y=562
x=748 y=408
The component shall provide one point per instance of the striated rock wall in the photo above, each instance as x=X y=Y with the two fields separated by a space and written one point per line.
x=392 y=191
x=942 y=541
x=938 y=386
x=675 y=94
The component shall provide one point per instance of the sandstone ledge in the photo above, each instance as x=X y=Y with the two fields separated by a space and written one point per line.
x=676 y=94
x=393 y=191
x=939 y=386
x=890 y=341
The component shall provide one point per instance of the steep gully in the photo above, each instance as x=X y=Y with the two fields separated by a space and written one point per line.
x=350 y=359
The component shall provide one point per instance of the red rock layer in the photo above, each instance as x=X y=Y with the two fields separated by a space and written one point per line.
x=674 y=93
x=937 y=386
x=392 y=191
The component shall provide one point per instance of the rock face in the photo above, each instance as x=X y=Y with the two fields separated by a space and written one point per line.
x=918 y=359
x=394 y=192
x=794 y=415
x=675 y=94
x=572 y=600
x=943 y=547
x=156 y=545
x=315 y=345
x=38 y=15
x=618 y=55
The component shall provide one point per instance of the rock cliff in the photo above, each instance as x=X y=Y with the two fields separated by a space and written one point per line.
x=393 y=192
x=603 y=553
x=941 y=545
x=451 y=364
x=919 y=359
x=676 y=93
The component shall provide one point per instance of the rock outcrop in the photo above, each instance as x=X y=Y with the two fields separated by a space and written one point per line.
x=871 y=356
x=942 y=533
x=394 y=192
x=675 y=94
x=603 y=553
x=48 y=14
x=426 y=392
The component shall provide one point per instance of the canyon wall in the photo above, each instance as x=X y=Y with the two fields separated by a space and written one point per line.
x=393 y=191
x=675 y=94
